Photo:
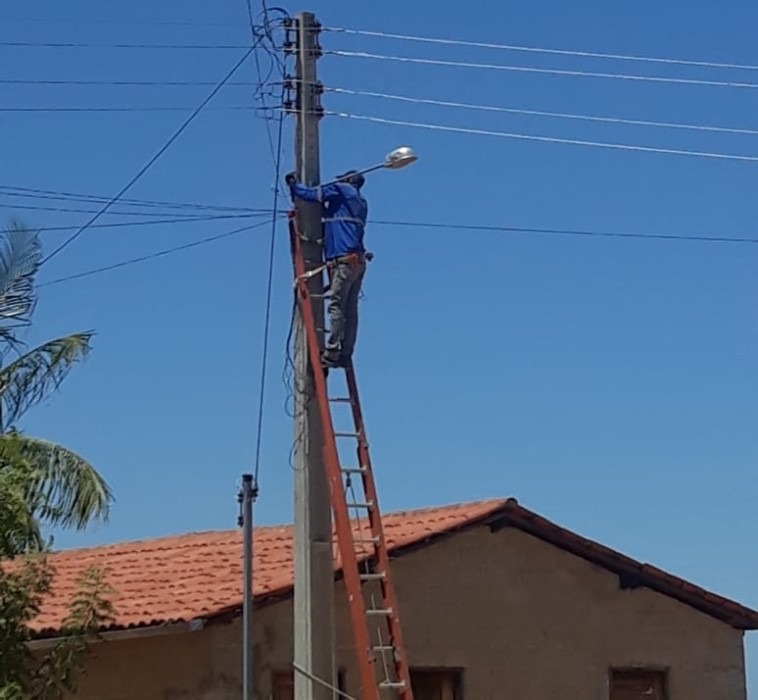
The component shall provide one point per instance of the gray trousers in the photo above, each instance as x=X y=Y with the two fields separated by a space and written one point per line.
x=344 y=293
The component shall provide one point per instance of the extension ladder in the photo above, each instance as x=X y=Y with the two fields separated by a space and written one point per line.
x=362 y=547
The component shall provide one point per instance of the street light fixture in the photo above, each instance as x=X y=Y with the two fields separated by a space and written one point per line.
x=394 y=160
x=400 y=157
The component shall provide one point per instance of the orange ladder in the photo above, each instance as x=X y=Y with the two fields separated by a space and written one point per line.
x=363 y=549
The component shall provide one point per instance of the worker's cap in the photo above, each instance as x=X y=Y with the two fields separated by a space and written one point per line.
x=353 y=177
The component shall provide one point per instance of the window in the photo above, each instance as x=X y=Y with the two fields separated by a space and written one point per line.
x=436 y=684
x=283 y=685
x=638 y=684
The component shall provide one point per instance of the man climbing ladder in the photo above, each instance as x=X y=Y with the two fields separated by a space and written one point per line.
x=380 y=653
x=363 y=551
x=344 y=212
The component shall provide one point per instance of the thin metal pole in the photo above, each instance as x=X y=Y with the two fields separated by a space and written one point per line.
x=247 y=495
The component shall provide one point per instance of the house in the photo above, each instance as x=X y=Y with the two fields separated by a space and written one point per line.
x=496 y=602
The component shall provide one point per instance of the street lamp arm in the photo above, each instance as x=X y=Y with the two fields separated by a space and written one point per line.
x=394 y=160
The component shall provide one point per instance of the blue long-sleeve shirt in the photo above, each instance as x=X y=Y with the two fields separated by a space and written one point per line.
x=344 y=212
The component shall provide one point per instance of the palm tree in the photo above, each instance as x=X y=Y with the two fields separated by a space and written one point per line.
x=61 y=488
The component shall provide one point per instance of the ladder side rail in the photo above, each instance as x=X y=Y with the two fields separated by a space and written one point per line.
x=377 y=529
x=370 y=690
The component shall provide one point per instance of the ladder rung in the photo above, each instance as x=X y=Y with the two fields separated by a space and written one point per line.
x=381 y=648
x=392 y=684
x=372 y=577
x=341 y=399
x=386 y=611
x=353 y=470
x=366 y=540
x=347 y=435
x=365 y=506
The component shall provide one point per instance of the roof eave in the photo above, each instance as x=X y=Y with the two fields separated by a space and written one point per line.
x=636 y=574
x=49 y=638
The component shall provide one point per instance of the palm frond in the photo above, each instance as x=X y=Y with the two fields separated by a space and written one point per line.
x=64 y=490
x=20 y=257
x=27 y=380
x=19 y=530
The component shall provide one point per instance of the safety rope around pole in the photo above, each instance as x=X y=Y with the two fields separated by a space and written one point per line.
x=311 y=273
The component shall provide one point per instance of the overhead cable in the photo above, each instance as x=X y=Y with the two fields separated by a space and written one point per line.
x=276 y=154
x=154 y=158
x=37 y=193
x=545 y=71
x=119 y=22
x=75 y=210
x=124 y=83
x=427 y=225
x=73 y=110
x=538 y=113
x=259 y=92
x=567 y=232
x=152 y=256
x=90 y=45
x=538 y=49
x=154 y=222
x=545 y=139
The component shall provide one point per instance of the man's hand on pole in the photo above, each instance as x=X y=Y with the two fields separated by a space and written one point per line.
x=290 y=179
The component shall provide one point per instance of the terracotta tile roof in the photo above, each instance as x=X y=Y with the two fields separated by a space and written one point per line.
x=198 y=575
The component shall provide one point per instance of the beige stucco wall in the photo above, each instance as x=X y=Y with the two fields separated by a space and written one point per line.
x=525 y=620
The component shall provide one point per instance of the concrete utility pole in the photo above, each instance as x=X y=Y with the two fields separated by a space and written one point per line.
x=314 y=579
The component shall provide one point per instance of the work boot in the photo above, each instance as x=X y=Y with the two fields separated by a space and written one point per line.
x=346 y=361
x=329 y=361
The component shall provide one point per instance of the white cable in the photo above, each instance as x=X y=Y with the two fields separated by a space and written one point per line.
x=533 y=112
x=548 y=71
x=536 y=49
x=546 y=139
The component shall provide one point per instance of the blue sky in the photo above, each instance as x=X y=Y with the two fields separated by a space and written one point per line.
x=608 y=384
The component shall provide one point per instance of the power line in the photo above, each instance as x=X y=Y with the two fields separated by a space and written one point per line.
x=152 y=256
x=89 y=45
x=426 y=225
x=269 y=290
x=537 y=49
x=123 y=83
x=32 y=110
x=414 y=100
x=152 y=160
x=472 y=227
x=36 y=193
x=538 y=113
x=566 y=232
x=276 y=154
x=544 y=71
x=75 y=210
x=417 y=224
x=154 y=222
x=119 y=23
x=259 y=94
x=545 y=139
